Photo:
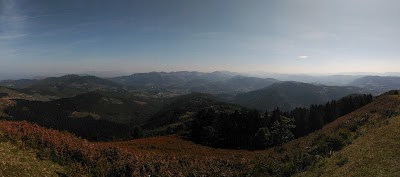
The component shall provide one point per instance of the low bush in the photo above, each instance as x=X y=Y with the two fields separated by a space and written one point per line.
x=389 y=113
x=342 y=161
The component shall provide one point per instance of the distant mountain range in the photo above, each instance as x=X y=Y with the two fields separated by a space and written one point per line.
x=168 y=80
x=253 y=92
x=340 y=79
x=238 y=84
x=186 y=82
x=289 y=95
x=175 y=82
x=158 y=102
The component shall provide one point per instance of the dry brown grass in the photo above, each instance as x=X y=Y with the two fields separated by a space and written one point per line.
x=15 y=161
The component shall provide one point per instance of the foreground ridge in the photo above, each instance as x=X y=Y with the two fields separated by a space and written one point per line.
x=174 y=156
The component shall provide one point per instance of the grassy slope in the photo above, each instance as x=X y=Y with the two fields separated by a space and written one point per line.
x=375 y=149
x=20 y=162
x=373 y=153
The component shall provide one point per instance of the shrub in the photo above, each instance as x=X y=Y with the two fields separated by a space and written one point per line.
x=389 y=113
x=325 y=144
x=342 y=161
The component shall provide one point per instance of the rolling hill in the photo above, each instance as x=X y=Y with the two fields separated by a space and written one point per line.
x=120 y=107
x=179 y=110
x=8 y=96
x=64 y=86
x=97 y=115
x=289 y=95
x=377 y=84
x=18 y=84
x=252 y=83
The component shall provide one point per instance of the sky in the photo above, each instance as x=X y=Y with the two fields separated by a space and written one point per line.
x=281 y=36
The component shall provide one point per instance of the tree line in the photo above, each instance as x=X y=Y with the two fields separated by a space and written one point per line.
x=252 y=129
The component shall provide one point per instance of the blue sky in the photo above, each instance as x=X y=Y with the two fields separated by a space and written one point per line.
x=284 y=36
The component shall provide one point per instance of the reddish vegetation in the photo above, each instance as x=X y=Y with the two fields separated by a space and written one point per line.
x=168 y=155
x=106 y=159
x=67 y=149
x=175 y=145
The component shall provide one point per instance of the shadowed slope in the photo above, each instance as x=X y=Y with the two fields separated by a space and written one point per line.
x=289 y=95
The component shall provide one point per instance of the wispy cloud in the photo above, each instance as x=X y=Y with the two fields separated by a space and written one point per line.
x=302 y=56
x=12 y=36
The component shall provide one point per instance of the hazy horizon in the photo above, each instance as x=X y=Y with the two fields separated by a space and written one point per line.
x=260 y=74
x=293 y=37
